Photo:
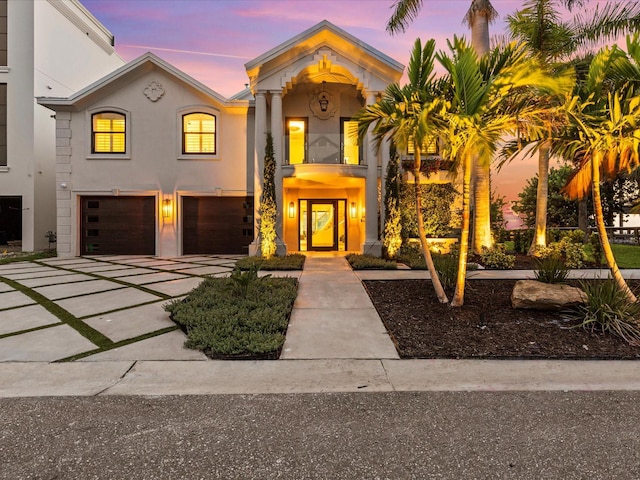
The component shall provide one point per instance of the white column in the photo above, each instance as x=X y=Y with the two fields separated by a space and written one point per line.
x=258 y=166
x=371 y=243
x=276 y=132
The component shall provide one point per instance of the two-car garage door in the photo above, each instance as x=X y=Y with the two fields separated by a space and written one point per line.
x=125 y=225
x=217 y=224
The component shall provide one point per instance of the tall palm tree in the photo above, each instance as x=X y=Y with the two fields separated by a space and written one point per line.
x=482 y=111
x=480 y=14
x=605 y=132
x=540 y=26
x=478 y=17
x=409 y=114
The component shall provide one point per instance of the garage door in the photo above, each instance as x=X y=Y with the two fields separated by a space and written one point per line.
x=118 y=226
x=217 y=225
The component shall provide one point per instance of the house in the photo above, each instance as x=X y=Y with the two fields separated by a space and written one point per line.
x=154 y=162
x=47 y=47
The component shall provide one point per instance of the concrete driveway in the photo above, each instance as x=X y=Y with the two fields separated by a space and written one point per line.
x=115 y=301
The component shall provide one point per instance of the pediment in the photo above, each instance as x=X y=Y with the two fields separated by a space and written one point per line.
x=323 y=53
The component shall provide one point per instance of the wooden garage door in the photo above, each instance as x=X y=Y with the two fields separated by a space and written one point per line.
x=217 y=224
x=118 y=226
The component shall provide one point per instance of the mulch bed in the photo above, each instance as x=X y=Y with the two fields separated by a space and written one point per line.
x=485 y=327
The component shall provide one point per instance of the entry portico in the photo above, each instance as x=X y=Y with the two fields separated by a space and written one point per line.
x=306 y=91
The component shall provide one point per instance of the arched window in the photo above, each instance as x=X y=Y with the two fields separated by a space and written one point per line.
x=199 y=133
x=108 y=133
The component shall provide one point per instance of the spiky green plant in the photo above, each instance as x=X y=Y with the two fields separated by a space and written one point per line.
x=608 y=310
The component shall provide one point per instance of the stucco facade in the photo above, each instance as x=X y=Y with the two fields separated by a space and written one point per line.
x=304 y=92
x=54 y=48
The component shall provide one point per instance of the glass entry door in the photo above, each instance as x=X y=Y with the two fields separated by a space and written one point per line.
x=322 y=225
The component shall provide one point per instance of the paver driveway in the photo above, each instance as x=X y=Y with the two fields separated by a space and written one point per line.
x=98 y=308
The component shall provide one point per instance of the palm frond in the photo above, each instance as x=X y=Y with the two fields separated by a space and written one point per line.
x=404 y=12
x=606 y=23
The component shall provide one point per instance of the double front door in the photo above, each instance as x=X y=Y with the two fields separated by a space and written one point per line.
x=323 y=225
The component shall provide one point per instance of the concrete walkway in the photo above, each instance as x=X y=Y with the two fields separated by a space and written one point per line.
x=333 y=316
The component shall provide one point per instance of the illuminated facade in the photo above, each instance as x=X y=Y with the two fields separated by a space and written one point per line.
x=163 y=165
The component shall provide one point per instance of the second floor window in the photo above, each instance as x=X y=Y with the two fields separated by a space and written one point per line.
x=199 y=133
x=109 y=133
x=429 y=147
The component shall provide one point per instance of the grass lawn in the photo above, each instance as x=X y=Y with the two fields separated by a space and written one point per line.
x=25 y=256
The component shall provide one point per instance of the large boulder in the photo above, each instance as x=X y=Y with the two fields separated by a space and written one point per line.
x=536 y=295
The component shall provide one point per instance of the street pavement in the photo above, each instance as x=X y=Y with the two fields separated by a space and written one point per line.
x=393 y=435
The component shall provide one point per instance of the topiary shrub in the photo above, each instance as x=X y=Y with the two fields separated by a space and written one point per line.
x=392 y=238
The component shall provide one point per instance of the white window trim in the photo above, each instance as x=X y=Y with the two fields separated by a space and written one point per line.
x=197 y=156
x=89 y=134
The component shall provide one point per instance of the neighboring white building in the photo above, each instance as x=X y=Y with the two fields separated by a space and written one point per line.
x=156 y=163
x=47 y=48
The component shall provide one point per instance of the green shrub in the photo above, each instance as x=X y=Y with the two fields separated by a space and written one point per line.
x=14 y=257
x=497 y=257
x=436 y=209
x=294 y=261
x=571 y=253
x=447 y=268
x=522 y=240
x=573 y=236
x=232 y=316
x=364 y=262
x=411 y=255
x=609 y=311
x=551 y=270
x=596 y=248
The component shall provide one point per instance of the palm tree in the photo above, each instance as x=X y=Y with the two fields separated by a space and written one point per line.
x=480 y=14
x=481 y=112
x=540 y=26
x=409 y=114
x=605 y=132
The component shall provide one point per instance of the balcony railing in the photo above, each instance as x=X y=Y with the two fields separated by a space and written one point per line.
x=325 y=149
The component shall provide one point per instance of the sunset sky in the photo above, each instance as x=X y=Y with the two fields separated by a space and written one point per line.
x=211 y=40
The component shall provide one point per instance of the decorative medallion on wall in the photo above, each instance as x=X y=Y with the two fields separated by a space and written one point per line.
x=154 y=91
x=322 y=104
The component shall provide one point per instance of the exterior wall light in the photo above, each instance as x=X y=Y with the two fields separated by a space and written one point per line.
x=292 y=210
x=352 y=210
x=323 y=100
x=167 y=208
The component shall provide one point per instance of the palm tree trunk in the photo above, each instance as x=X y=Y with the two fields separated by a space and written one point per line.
x=583 y=215
x=480 y=34
x=482 y=207
x=482 y=173
x=433 y=273
x=542 y=196
x=602 y=232
x=458 y=296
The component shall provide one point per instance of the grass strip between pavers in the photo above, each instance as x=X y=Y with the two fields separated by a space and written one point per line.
x=163 y=296
x=91 y=334
x=119 y=344
x=29 y=330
